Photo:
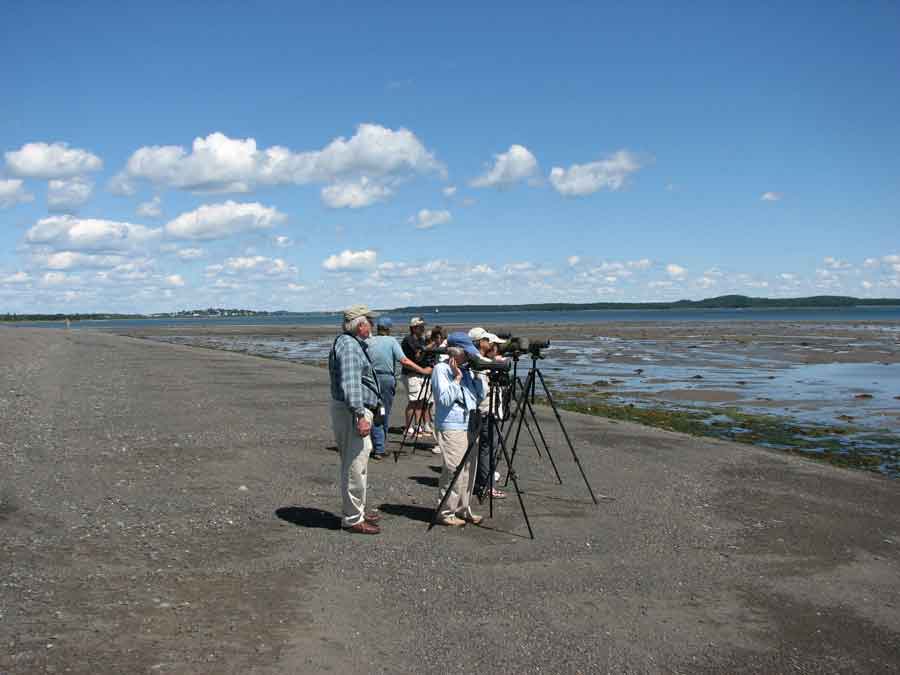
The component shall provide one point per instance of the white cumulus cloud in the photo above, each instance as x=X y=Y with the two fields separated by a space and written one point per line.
x=175 y=280
x=64 y=260
x=51 y=160
x=282 y=241
x=573 y=260
x=512 y=166
x=355 y=194
x=89 y=234
x=67 y=194
x=449 y=191
x=16 y=278
x=676 y=271
x=426 y=218
x=255 y=267
x=151 y=209
x=610 y=173
x=189 y=253
x=13 y=192
x=835 y=264
x=642 y=264
x=218 y=163
x=350 y=260
x=54 y=278
x=771 y=197
x=218 y=221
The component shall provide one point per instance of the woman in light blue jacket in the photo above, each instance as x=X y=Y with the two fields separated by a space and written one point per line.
x=456 y=397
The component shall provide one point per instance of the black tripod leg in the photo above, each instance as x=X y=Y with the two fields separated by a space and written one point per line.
x=423 y=397
x=492 y=462
x=528 y=426
x=425 y=405
x=511 y=458
x=520 y=410
x=512 y=474
x=566 y=434
x=406 y=427
x=534 y=440
x=512 y=418
x=473 y=444
x=537 y=424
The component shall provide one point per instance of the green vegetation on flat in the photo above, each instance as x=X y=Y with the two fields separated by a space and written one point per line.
x=845 y=446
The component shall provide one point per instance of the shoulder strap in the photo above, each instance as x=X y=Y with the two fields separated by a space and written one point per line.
x=377 y=388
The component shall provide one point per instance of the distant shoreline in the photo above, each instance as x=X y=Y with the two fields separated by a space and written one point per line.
x=728 y=302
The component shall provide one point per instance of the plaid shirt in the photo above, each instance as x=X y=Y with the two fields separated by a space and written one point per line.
x=352 y=378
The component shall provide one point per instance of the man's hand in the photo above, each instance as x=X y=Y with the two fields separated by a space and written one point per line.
x=363 y=427
x=454 y=367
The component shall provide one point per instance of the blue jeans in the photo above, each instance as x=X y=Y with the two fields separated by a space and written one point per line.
x=388 y=386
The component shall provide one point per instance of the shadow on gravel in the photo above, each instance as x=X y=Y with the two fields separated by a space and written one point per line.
x=427 y=481
x=420 y=513
x=308 y=517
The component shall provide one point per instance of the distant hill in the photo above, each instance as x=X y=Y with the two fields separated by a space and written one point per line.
x=721 y=302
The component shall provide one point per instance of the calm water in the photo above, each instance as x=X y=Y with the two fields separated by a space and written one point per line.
x=518 y=317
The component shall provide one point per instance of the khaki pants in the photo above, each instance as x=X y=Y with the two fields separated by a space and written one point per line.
x=354 y=451
x=453 y=446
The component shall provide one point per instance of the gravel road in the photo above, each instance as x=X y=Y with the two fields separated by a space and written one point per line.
x=171 y=509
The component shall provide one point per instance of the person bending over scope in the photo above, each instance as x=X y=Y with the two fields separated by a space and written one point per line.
x=456 y=397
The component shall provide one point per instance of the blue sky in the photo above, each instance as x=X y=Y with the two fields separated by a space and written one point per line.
x=306 y=156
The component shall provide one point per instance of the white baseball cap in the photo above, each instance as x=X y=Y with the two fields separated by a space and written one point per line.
x=493 y=338
x=478 y=333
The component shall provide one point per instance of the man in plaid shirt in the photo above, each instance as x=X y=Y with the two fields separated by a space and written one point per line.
x=355 y=398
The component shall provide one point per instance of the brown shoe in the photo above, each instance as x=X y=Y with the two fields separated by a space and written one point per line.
x=372 y=517
x=363 y=528
x=472 y=518
x=451 y=521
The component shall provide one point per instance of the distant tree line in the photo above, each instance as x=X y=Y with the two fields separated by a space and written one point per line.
x=721 y=302
x=63 y=317
x=187 y=313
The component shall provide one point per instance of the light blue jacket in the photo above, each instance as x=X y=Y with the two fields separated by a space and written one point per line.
x=454 y=402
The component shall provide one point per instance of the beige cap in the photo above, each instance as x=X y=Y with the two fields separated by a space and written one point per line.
x=357 y=311
x=416 y=321
x=478 y=333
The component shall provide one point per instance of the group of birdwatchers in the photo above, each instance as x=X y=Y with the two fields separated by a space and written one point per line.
x=363 y=369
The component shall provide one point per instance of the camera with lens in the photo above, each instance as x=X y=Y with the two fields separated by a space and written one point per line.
x=430 y=356
x=497 y=371
x=516 y=346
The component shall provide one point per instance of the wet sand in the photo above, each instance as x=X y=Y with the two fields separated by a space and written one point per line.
x=843 y=377
x=171 y=509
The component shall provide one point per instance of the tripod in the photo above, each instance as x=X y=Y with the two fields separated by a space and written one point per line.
x=525 y=404
x=490 y=420
x=423 y=400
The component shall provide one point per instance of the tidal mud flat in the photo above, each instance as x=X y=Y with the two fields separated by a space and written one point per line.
x=168 y=509
x=826 y=390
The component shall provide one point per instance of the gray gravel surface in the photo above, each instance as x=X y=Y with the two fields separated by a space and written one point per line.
x=169 y=509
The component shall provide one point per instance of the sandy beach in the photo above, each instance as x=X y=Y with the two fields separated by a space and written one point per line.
x=172 y=509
